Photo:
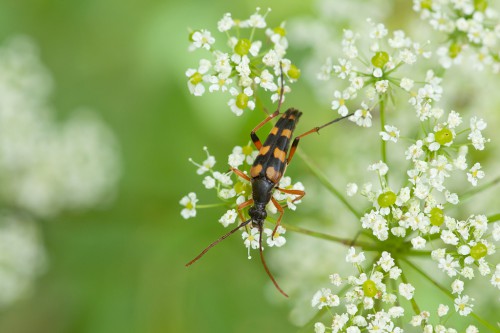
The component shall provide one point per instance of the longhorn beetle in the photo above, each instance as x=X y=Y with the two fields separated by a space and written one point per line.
x=266 y=172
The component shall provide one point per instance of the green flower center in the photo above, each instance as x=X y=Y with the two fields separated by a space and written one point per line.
x=247 y=150
x=437 y=216
x=380 y=59
x=370 y=288
x=293 y=72
x=280 y=31
x=454 y=50
x=386 y=199
x=196 y=78
x=443 y=136
x=243 y=46
x=241 y=101
x=480 y=5
x=478 y=251
x=241 y=187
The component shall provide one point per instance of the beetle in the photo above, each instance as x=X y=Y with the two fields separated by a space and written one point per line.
x=265 y=174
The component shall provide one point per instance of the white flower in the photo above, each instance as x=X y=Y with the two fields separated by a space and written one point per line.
x=319 y=327
x=463 y=305
x=351 y=189
x=454 y=119
x=406 y=290
x=391 y=133
x=196 y=77
x=189 y=202
x=354 y=258
x=415 y=151
x=396 y=312
x=226 y=23
x=324 y=297
x=449 y=237
x=381 y=86
x=381 y=167
x=418 y=242
x=251 y=240
x=442 y=310
x=495 y=278
x=457 y=287
x=202 y=39
x=335 y=279
x=395 y=272
x=208 y=182
x=386 y=261
x=339 y=102
x=448 y=265
x=471 y=329
x=275 y=239
x=343 y=69
x=228 y=218
x=406 y=83
x=362 y=117
x=474 y=174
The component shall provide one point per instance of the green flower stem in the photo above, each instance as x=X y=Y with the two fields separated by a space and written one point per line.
x=348 y=242
x=468 y=194
x=414 y=304
x=383 y=142
x=323 y=180
x=493 y=218
x=211 y=205
x=447 y=293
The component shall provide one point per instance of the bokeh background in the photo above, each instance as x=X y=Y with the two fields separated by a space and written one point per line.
x=120 y=267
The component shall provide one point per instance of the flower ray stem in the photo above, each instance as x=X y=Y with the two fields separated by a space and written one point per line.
x=383 y=150
x=211 y=205
x=414 y=304
x=493 y=218
x=329 y=186
x=447 y=293
x=348 y=242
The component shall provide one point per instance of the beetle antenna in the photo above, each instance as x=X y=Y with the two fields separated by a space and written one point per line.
x=336 y=120
x=218 y=241
x=282 y=88
x=265 y=266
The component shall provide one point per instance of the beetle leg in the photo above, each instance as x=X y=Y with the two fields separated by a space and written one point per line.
x=281 y=211
x=299 y=193
x=240 y=174
x=255 y=139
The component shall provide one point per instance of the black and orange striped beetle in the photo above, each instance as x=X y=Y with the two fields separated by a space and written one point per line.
x=265 y=174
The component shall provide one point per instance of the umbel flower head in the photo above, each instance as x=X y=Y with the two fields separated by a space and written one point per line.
x=246 y=65
x=232 y=191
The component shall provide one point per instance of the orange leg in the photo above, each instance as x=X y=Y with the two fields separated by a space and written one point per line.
x=281 y=211
x=299 y=193
x=240 y=174
x=253 y=135
x=240 y=208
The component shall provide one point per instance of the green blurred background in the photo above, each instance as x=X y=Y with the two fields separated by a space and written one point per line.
x=121 y=269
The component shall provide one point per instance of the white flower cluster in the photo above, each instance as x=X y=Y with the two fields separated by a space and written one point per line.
x=472 y=28
x=22 y=256
x=416 y=212
x=363 y=291
x=247 y=66
x=388 y=55
x=46 y=167
x=234 y=190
